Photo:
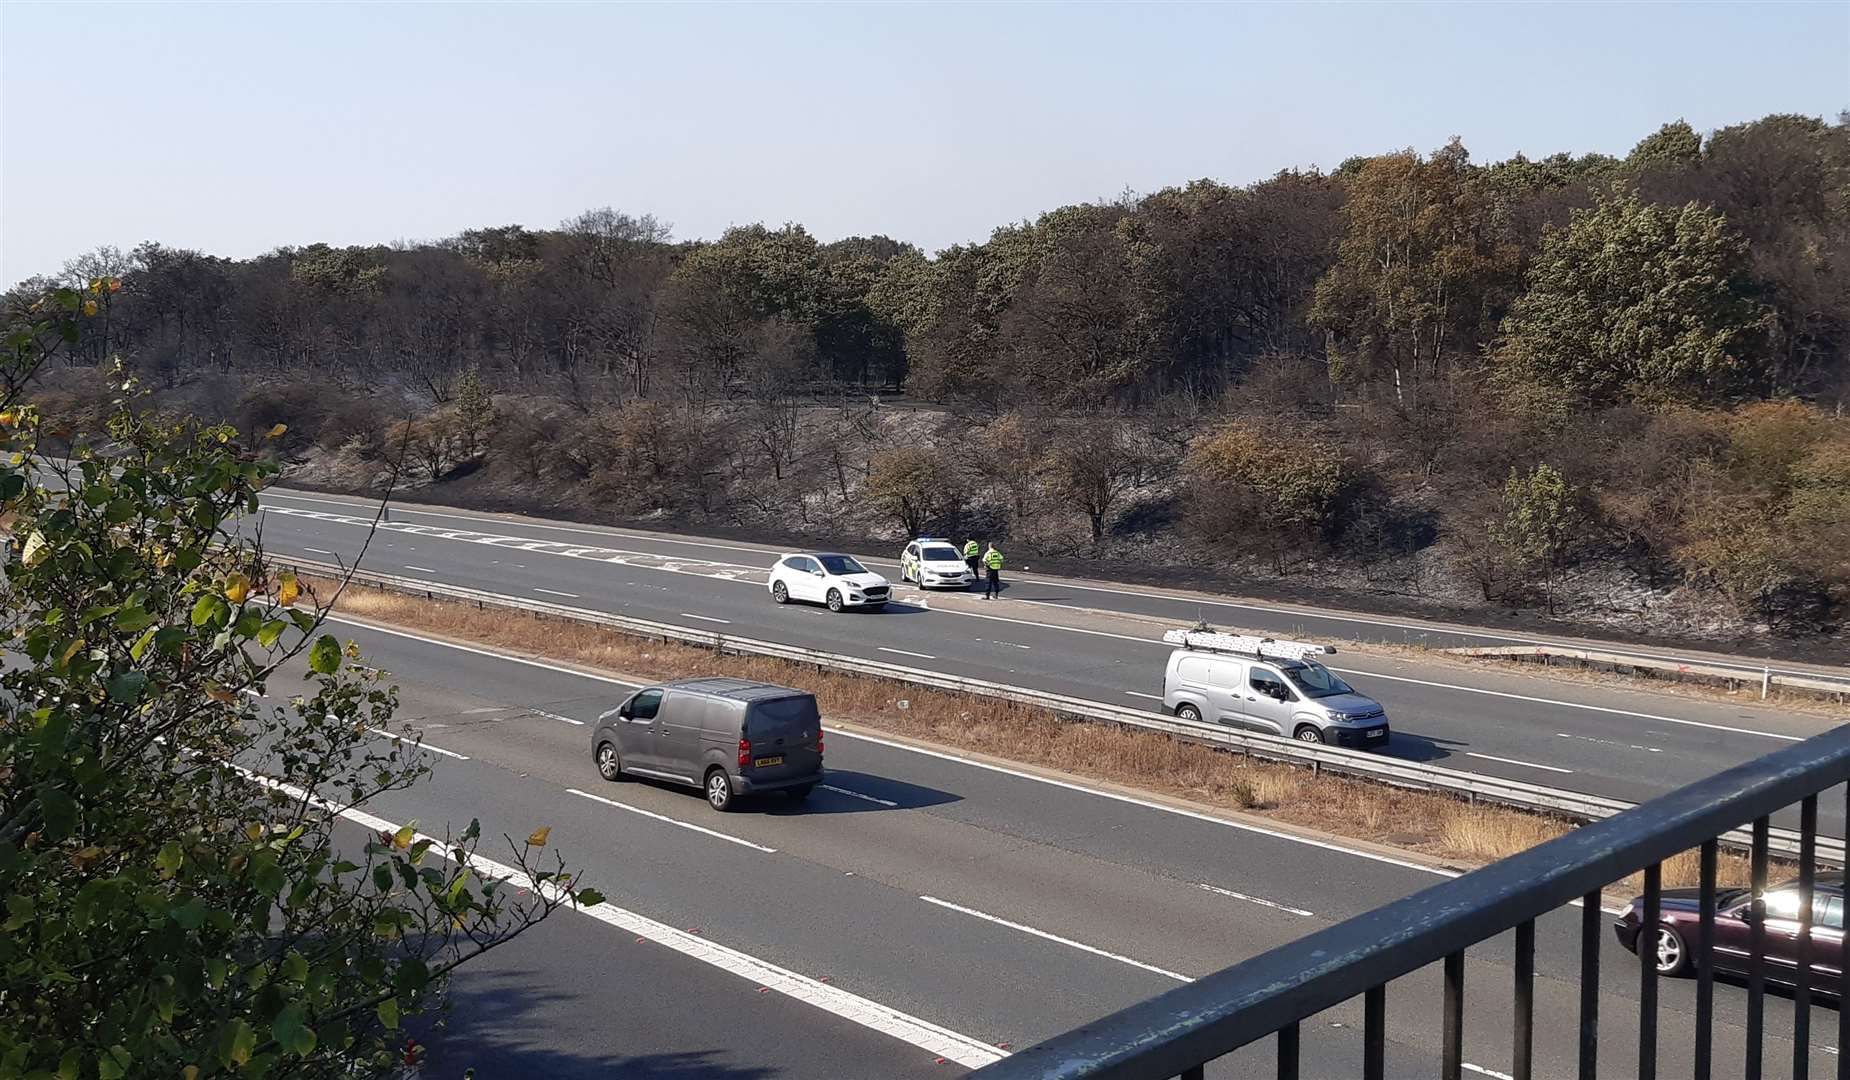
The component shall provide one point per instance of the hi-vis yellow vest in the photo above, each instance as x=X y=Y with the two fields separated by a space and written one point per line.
x=970 y=550
x=993 y=560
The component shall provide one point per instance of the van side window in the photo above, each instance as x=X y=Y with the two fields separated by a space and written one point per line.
x=1195 y=669
x=645 y=705
x=1827 y=912
x=1267 y=683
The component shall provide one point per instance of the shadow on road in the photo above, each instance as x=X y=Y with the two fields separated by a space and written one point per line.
x=867 y=788
x=1423 y=748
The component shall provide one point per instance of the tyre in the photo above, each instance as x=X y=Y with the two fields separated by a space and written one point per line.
x=609 y=765
x=1188 y=712
x=719 y=790
x=1308 y=734
x=801 y=794
x=835 y=603
x=780 y=593
x=1671 y=955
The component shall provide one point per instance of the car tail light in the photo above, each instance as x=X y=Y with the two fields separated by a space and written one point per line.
x=745 y=752
x=818 y=742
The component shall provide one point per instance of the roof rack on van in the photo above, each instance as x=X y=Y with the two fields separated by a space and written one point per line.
x=1246 y=645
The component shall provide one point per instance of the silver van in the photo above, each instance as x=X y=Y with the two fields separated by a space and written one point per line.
x=727 y=737
x=1299 y=699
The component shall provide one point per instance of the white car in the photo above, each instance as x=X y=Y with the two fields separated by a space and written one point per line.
x=932 y=563
x=839 y=581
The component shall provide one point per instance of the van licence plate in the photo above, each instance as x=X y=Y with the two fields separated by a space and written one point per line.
x=1378 y=733
x=766 y=761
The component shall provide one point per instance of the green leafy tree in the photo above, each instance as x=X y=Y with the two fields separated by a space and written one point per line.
x=912 y=484
x=1634 y=298
x=1541 y=516
x=1675 y=145
x=1259 y=492
x=475 y=412
x=177 y=898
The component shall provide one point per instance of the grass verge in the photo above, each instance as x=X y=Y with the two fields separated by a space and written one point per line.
x=1440 y=827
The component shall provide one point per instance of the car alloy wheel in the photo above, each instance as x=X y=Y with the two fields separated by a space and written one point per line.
x=719 y=790
x=835 y=603
x=780 y=593
x=1309 y=734
x=608 y=766
x=1671 y=955
x=1189 y=713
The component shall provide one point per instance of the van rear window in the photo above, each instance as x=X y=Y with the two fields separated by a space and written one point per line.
x=783 y=715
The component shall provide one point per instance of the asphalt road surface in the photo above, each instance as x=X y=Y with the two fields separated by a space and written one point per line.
x=1584 y=737
x=920 y=915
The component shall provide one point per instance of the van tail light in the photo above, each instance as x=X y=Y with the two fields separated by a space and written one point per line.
x=818 y=742
x=745 y=752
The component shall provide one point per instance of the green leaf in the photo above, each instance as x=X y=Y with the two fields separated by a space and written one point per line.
x=170 y=858
x=290 y=1030
x=136 y=650
x=70 y=1066
x=271 y=632
x=59 y=810
x=164 y=996
x=206 y=609
x=236 y=1040
x=191 y=916
x=126 y=688
x=388 y=1013
x=112 y=1064
x=295 y=967
x=134 y=618
x=324 y=655
x=382 y=877
x=589 y=897
x=215 y=972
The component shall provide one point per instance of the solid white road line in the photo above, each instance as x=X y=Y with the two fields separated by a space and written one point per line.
x=927 y=1036
x=1148 y=804
x=397 y=738
x=904 y=652
x=479 y=651
x=855 y=795
x=1068 y=942
x=420 y=569
x=672 y=821
x=705 y=618
x=318 y=551
x=556 y=716
x=1481 y=1071
x=1254 y=899
x=555 y=592
x=1513 y=761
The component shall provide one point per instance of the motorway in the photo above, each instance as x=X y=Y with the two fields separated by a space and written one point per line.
x=919 y=916
x=1580 y=736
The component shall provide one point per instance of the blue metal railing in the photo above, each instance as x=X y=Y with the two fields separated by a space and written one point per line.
x=1177 y=1033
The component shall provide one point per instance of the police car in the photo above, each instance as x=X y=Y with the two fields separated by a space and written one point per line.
x=931 y=562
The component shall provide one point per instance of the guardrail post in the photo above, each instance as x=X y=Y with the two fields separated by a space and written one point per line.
x=1766 y=682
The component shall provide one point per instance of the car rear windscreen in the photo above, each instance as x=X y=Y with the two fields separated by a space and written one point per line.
x=783 y=717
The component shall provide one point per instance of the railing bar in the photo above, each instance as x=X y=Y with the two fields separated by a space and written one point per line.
x=1650 y=946
x=1374 y=1033
x=1705 y=964
x=1801 y=991
x=1522 y=1053
x=1843 y=1014
x=1288 y=1052
x=1453 y=1023
x=1756 y=956
x=1591 y=927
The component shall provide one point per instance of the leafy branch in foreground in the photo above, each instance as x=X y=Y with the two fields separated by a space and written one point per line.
x=181 y=897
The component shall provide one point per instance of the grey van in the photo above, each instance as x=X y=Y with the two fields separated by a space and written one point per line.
x=1299 y=699
x=728 y=737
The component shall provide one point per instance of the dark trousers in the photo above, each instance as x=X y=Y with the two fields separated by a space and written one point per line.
x=995 y=583
x=974 y=572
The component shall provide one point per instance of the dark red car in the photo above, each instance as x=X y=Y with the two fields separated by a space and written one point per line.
x=1677 y=931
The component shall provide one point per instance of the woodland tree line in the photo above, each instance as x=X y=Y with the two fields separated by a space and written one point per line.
x=1432 y=375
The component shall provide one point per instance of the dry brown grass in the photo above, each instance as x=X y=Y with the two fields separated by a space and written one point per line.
x=1440 y=827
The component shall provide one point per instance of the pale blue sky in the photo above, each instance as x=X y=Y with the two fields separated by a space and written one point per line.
x=238 y=128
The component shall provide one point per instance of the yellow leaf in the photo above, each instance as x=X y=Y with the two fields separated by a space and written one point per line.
x=537 y=838
x=191 y=1072
x=253 y=832
x=90 y=307
x=82 y=859
x=69 y=651
x=277 y=431
x=402 y=838
x=9 y=418
x=288 y=589
x=237 y=587
x=96 y=284
x=36 y=550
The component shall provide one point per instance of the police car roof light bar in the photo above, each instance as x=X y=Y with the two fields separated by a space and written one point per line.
x=1246 y=645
